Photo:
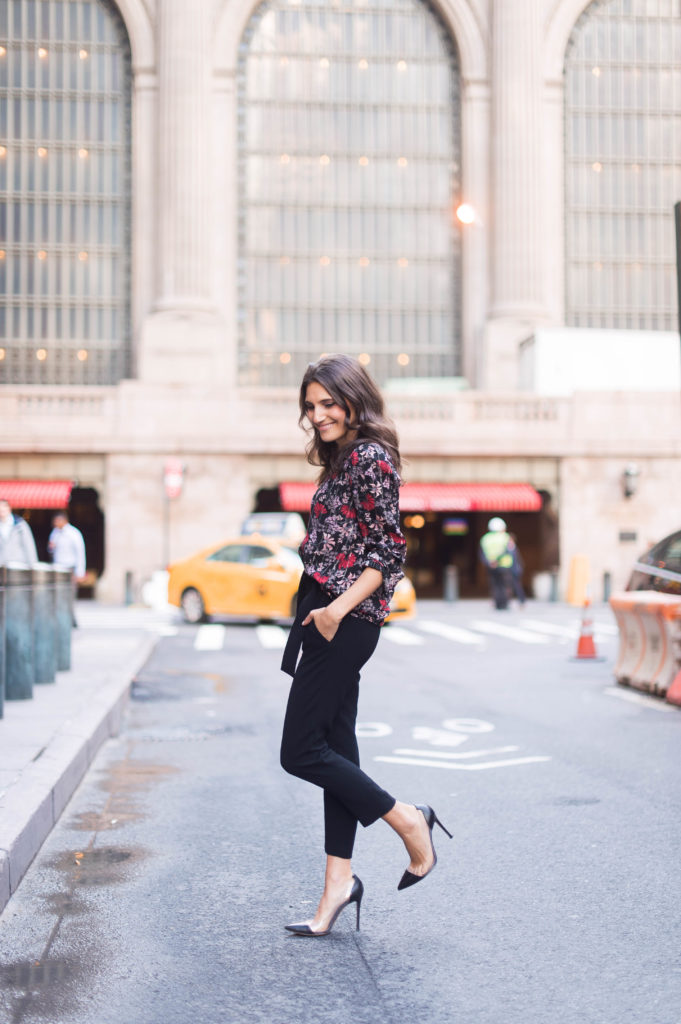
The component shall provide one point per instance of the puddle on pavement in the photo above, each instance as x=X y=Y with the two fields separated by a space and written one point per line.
x=29 y=975
x=121 y=780
x=161 y=684
x=104 y=865
x=64 y=904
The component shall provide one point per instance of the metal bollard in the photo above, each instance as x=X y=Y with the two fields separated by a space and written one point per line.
x=451 y=588
x=554 y=585
x=607 y=586
x=64 y=617
x=2 y=640
x=20 y=663
x=44 y=623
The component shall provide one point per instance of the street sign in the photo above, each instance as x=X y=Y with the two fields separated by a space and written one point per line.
x=173 y=478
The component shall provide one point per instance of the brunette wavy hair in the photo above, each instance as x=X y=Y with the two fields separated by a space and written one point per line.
x=352 y=388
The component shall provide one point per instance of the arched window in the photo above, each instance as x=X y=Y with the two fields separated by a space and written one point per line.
x=623 y=164
x=348 y=141
x=64 y=192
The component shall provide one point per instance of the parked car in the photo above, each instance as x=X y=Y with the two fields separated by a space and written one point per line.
x=660 y=567
x=255 y=576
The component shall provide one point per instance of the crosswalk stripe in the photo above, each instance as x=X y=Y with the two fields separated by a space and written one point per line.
x=551 y=628
x=398 y=635
x=449 y=632
x=509 y=632
x=272 y=637
x=210 y=637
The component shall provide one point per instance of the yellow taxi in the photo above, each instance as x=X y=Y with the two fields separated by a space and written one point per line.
x=403 y=604
x=255 y=576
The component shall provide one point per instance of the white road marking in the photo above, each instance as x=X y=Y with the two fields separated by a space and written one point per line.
x=272 y=637
x=447 y=756
x=509 y=632
x=655 y=703
x=437 y=737
x=480 y=766
x=468 y=725
x=398 y=635
x=373 y=730
x=210 y=637
x=551 y=628
x=449 y=632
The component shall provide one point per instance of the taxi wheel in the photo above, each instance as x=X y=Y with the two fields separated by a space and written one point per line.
x=192 y=606
x=294 y=606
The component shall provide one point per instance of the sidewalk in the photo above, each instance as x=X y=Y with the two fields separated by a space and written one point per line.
x=47 y=743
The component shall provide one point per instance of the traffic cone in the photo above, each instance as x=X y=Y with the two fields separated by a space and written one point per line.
x=586 y=647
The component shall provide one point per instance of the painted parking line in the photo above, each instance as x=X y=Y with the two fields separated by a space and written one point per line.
x=271 y=637
x=509 y=632
x=642 y=699
x=210 y=637
x=398 y=635
x=449 y=632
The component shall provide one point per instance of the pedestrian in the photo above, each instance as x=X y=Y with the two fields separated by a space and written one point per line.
x=517 y=569
x=497 y=556
x=67 y=548
x=352 y=555
x=16 y=539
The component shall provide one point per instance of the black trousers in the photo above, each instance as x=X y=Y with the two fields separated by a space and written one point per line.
x=319 y=742
x=500 y=583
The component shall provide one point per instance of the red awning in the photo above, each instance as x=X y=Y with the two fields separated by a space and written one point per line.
x=296 y=497
x=36 y=493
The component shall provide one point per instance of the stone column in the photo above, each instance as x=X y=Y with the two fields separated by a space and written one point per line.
x=181 y=337
x=516 y=215
x=184 y=164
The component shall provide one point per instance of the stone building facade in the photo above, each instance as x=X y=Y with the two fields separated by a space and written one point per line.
x=195 y=385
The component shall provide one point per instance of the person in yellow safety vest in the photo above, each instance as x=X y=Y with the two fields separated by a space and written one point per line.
x=496 y=552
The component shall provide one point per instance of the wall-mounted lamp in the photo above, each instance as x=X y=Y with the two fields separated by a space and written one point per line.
x=630 y=477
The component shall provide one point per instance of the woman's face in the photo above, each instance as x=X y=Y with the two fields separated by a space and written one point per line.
x=326 y=416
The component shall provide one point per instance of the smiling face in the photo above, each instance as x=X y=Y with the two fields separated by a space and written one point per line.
x=327 y=417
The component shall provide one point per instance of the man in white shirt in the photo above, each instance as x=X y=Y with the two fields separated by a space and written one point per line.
x=67 y=548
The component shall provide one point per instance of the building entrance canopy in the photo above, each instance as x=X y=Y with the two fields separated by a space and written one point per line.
x=36 y=493
x=426 y=497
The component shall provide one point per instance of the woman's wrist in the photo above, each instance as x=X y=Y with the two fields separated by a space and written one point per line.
x=336 y=611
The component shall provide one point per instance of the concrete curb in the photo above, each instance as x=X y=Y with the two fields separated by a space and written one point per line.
x=32 y=807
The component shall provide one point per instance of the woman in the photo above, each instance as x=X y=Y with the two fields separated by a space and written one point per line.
x=352 y=554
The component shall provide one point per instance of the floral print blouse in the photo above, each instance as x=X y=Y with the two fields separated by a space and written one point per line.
x=354 y=525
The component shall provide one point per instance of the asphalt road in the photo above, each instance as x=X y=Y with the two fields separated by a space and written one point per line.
x=161 y=896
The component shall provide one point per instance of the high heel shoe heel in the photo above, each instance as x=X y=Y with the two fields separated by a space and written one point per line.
x=355 y=896
x=409 y=878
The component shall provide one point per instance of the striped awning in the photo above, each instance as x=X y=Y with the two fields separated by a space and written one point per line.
x=478 y=497
x=52 y=494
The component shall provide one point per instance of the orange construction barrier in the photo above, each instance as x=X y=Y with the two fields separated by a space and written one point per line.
x=586 y=647
x=650 y=642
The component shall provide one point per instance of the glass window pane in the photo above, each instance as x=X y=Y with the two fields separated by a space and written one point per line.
x=623 y=173
x=64 y=131
x=349 y=149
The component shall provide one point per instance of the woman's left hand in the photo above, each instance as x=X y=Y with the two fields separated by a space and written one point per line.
x=325 y=621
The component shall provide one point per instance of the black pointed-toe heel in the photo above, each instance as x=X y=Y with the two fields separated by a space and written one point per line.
x=355 y=896
x=409 y=878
